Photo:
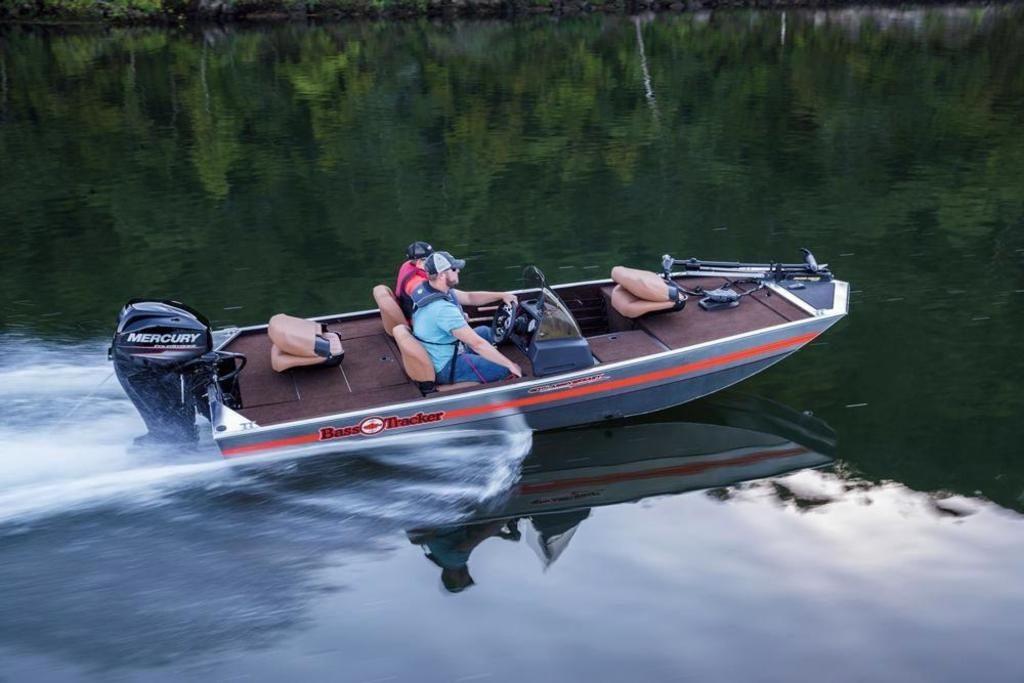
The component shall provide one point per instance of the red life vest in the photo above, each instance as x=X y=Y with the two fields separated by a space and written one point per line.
x=409 y=277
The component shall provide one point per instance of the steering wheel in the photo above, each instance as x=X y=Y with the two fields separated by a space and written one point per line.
x=501 y=325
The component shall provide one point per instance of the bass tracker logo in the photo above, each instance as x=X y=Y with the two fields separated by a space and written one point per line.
x=371 y=426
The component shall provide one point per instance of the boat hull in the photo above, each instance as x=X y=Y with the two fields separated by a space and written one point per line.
x=601 y=393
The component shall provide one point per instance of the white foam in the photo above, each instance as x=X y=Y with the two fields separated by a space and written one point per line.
x=66 y=433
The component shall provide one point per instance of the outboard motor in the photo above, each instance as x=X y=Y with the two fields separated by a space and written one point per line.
x=163 y=357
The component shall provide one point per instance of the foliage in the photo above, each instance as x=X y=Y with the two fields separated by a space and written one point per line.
x=109 y=9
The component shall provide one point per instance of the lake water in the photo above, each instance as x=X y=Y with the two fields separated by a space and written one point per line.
x=854 y=513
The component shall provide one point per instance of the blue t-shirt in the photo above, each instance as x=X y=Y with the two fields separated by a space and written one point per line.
x=435 y=323
x=449 y=548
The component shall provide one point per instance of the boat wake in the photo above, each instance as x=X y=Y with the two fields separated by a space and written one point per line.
x=66 y=447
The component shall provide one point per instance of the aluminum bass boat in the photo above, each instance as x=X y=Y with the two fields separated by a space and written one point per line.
x=583 y=360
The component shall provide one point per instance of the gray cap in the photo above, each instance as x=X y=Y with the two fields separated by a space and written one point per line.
x=440 y=261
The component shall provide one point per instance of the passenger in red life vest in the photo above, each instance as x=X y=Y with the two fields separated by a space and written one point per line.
x=411 y=275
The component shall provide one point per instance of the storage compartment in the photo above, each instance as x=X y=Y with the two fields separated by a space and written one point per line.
x=616 y=346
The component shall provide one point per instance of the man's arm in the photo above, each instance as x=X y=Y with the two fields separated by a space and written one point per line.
x=484 y=298
x=471 y=339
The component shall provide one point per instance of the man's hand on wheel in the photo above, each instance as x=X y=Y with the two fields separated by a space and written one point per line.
x=509 y=298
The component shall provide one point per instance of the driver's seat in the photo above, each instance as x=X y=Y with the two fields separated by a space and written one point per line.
x=417 y=363
x=390 y=312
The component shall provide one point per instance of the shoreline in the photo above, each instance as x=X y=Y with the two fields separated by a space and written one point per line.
x=187 y=12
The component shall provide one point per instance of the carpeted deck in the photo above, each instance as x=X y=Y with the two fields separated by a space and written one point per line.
x=616 y=346
x=372 y=372
x=694 y=325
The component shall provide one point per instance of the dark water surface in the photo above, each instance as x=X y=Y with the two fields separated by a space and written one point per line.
x=284 y=168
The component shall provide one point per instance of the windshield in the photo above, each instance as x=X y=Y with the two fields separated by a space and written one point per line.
x=556 y=322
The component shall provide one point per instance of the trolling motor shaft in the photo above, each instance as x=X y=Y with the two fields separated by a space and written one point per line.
x=776 y=271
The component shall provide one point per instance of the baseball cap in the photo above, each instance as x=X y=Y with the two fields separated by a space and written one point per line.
x=418 y=250
x=440 y=261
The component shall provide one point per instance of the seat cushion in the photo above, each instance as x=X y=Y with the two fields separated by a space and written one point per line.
x=390 y=312
x=281 y=361
x=630 y=306
x=293 y=336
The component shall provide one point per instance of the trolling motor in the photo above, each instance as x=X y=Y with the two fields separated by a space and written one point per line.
x=724 y=297
x=164 y=359
x=776 y=271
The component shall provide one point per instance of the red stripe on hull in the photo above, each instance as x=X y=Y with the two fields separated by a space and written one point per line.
x=601 y=387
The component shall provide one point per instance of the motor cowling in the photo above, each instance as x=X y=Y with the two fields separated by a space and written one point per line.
x=160 y=353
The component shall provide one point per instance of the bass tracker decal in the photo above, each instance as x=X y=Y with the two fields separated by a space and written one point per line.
x=375 y=425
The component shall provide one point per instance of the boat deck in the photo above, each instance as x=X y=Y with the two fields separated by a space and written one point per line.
x=372 y=374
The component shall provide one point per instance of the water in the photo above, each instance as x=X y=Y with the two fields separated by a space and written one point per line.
x=284 y=168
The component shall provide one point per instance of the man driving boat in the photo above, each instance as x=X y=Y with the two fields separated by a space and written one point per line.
x=437 y=321
x=411 y=274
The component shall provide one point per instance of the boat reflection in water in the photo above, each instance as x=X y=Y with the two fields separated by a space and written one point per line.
x=711 y=444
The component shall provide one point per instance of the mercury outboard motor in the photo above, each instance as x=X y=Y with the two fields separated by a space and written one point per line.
x=163 y=357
